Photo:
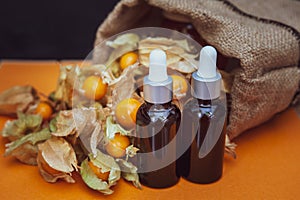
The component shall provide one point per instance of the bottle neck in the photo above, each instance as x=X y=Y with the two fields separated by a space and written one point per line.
x=158 y=92
x=204 y=88
x=161 y=105
x=204 y=103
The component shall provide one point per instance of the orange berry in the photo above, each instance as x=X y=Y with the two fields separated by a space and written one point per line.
x=44 y=109
x=128 y=59
x=116 y=147
x=94 y=88
x=103 y=176
x=126 y=112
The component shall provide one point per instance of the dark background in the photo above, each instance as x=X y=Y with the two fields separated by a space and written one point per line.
x=44 y=29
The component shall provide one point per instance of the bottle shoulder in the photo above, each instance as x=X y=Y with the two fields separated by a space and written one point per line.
x=154 y=112
x=214 y=108
x=157 y=108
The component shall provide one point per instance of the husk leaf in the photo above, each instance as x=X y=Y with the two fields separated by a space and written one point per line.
x=52 y=178
x=17 y=99
x=26 y=153
x=177 y=51
x=64 y=124
x=122 y=44
x=230 y=147
x=124 y=86
x=112 y=128
x=124 y=39
x=107 y=164
x=31 y=138
x=96 y=137
x=129 y=172
x=65 y=85
x=16 y=129
x=59 y=154
x=92 y=181
x=131 y=151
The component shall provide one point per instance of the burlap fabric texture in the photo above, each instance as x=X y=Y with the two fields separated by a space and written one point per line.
x=262 y=35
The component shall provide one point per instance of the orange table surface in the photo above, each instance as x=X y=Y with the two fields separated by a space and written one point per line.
x=267 y=166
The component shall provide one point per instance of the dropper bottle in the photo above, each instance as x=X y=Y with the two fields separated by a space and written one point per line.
x=203 y=133
x=158 y=120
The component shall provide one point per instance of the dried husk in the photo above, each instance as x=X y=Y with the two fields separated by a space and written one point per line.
x=124 y=39
x=17 y=99
x=55 y=177
x=26 y=123
x=113 y=128
x=124 y=86
x=59 y=155
x=91 y=179
x=176 y=50
x=75 y=121
x=183 y=66
x=230 y=147
x=126 y=74
x=122 y=44
x=31 y=139
x=115 y=68
x=84 y=119
x=80 y=151
x=64 y=124
x=102 y=71
x=65 y=86
x=26 y=153
x=101 y=112
x=52 y=124
x=117 y=53
x=97 y=70
x=86 y=123
x=96 y=137
x=129 y=172
x=107 y=164
x=89 y=125
x=131 y=151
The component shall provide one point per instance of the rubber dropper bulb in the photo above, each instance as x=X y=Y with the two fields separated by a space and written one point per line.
x=207 y=64
x=158 y=66
x=206 y=82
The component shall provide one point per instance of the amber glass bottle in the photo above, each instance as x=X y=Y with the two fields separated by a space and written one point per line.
x=158 y=124
x=158 y=121
x=203 y=119
x=204 y=123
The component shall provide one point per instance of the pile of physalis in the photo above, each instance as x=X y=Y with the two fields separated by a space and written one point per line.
x=87 y=125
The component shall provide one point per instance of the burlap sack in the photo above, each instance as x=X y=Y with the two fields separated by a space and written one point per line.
x=262 y=35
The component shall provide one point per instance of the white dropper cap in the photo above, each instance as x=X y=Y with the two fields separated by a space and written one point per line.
x=158 y=66
x=158 y=85
x=207 y=64
x=206 y=81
